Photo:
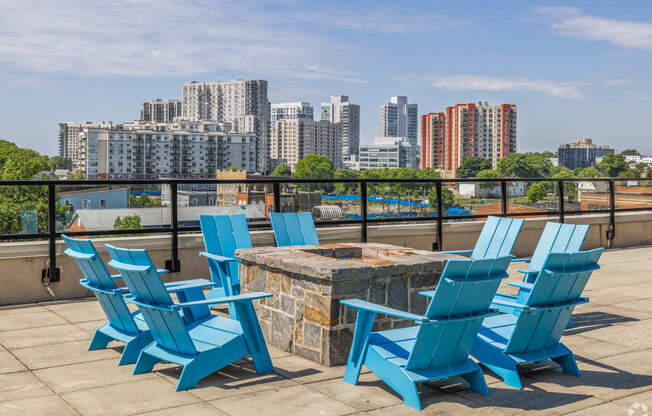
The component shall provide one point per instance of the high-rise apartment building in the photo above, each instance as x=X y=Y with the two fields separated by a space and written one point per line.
x=581 y=154
x=160 y=111
x=399 y=119
x=299 y=109
x=144 y=150
x=467 y=130
x=294 y=138
x=242 y=103
x=340 y=110
x=69 y=139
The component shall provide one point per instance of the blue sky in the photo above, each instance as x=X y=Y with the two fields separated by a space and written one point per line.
x=573 y=69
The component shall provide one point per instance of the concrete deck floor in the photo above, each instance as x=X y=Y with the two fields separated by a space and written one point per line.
x=45 y=368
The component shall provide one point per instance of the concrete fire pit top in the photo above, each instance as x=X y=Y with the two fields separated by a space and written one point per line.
x=336 y=262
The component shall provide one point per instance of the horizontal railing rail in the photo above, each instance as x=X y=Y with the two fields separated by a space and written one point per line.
x=51 y=272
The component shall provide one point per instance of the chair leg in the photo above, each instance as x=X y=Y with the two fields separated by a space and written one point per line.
x=568 y=364
x=363 y=325
x=509 y=374
x=570 y=323
x=477 y=381
x=145 y=363
x=408 y=390
x=100 y=340
x=134 y=347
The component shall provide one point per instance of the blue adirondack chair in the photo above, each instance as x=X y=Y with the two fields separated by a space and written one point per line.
x=294 y=229
x=531 y=326
x=496 y=239
x=202 y=348
x=123 y=325
x=223 y=235
x=558 y=238
x=438 y=347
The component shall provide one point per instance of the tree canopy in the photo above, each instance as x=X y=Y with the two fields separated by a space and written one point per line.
x=630 y=152
x=128 y=222
x=314 y=166
x=612 y=164
x=470 y=167
x=282 y=170
x=524 y=165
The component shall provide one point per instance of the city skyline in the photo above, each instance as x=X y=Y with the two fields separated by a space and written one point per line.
x=572 y=71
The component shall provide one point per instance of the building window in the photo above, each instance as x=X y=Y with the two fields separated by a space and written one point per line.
x=102 y=203
x=86 y=203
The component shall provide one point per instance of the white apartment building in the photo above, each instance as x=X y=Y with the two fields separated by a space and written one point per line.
x=69 y=144
x=242 y=103
x=340 y=110
x=143 y=150
x=294 y=138
x=388 y=152
x=495 y=131
x=299 y=109
x=399 y=119
x=160 y=111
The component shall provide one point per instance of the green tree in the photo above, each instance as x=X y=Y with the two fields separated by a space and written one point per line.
x=488 y=174
x=630 y=152
x=536 y=192
x=346 y=188
x=548 y=154
x=570 y=190
x=612 y=164
x=640 y=169
x=58 y=162
x=233 y=168
x=447 y=199
x=524 y=165
x=314 y=166
x=128 y=222
x=76 y=175
x=629 y=173
x=589 y=172
x=282 y=170
x=470 y=167
x=142 y=201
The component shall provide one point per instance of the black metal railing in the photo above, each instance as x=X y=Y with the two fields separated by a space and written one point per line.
x=51 y=273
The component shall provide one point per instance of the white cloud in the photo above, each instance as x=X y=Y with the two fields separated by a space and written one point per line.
x=571 y=22
x=486 y=83
x=161 y=38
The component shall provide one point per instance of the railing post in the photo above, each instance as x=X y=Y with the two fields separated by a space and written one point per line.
x=363 y=211
x=611 y=232
x=561 y=201
x=503 y=198
x=51 y=273
x=277 y=196
x=439 y=244
x=174 y=265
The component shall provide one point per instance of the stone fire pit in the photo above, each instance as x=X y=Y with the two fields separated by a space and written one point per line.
x=305 y=317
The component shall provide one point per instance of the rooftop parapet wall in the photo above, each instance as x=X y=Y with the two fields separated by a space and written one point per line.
x=21 y=262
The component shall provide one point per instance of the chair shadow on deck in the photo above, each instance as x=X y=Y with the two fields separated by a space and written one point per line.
x=589 y=321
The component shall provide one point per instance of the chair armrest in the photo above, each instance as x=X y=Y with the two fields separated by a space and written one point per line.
x=428 y=293
x=523 y=260
x=215 y=257
x=159 y=271
x=131 y=267
x=497 y=303
x=116 y=291
x=372 y=307
x=228 y=299
x=79 y=256
x=458 y=252
x=521 y=285
x=180 y=286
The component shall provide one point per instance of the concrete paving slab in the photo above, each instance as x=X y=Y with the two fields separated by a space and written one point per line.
x=636 y=334
x=67 y=378
x=32 y=318
x=128 y=398
x=44 y=356
x=37 y=406
x=9 y=363
x=370 y=393
x=90 y=326
x=46 y=335
x=195 y=409
x=230 y=381
x=22 y=386
x=295 y=400
x=79 y=312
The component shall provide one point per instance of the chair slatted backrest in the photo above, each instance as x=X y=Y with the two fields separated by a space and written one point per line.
x=558 y=238
x=97 y=275
x=223 y=235
x=146 y=286
x=497 y=237
x=294 y=229
x=560 y=283
x=465 y=291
